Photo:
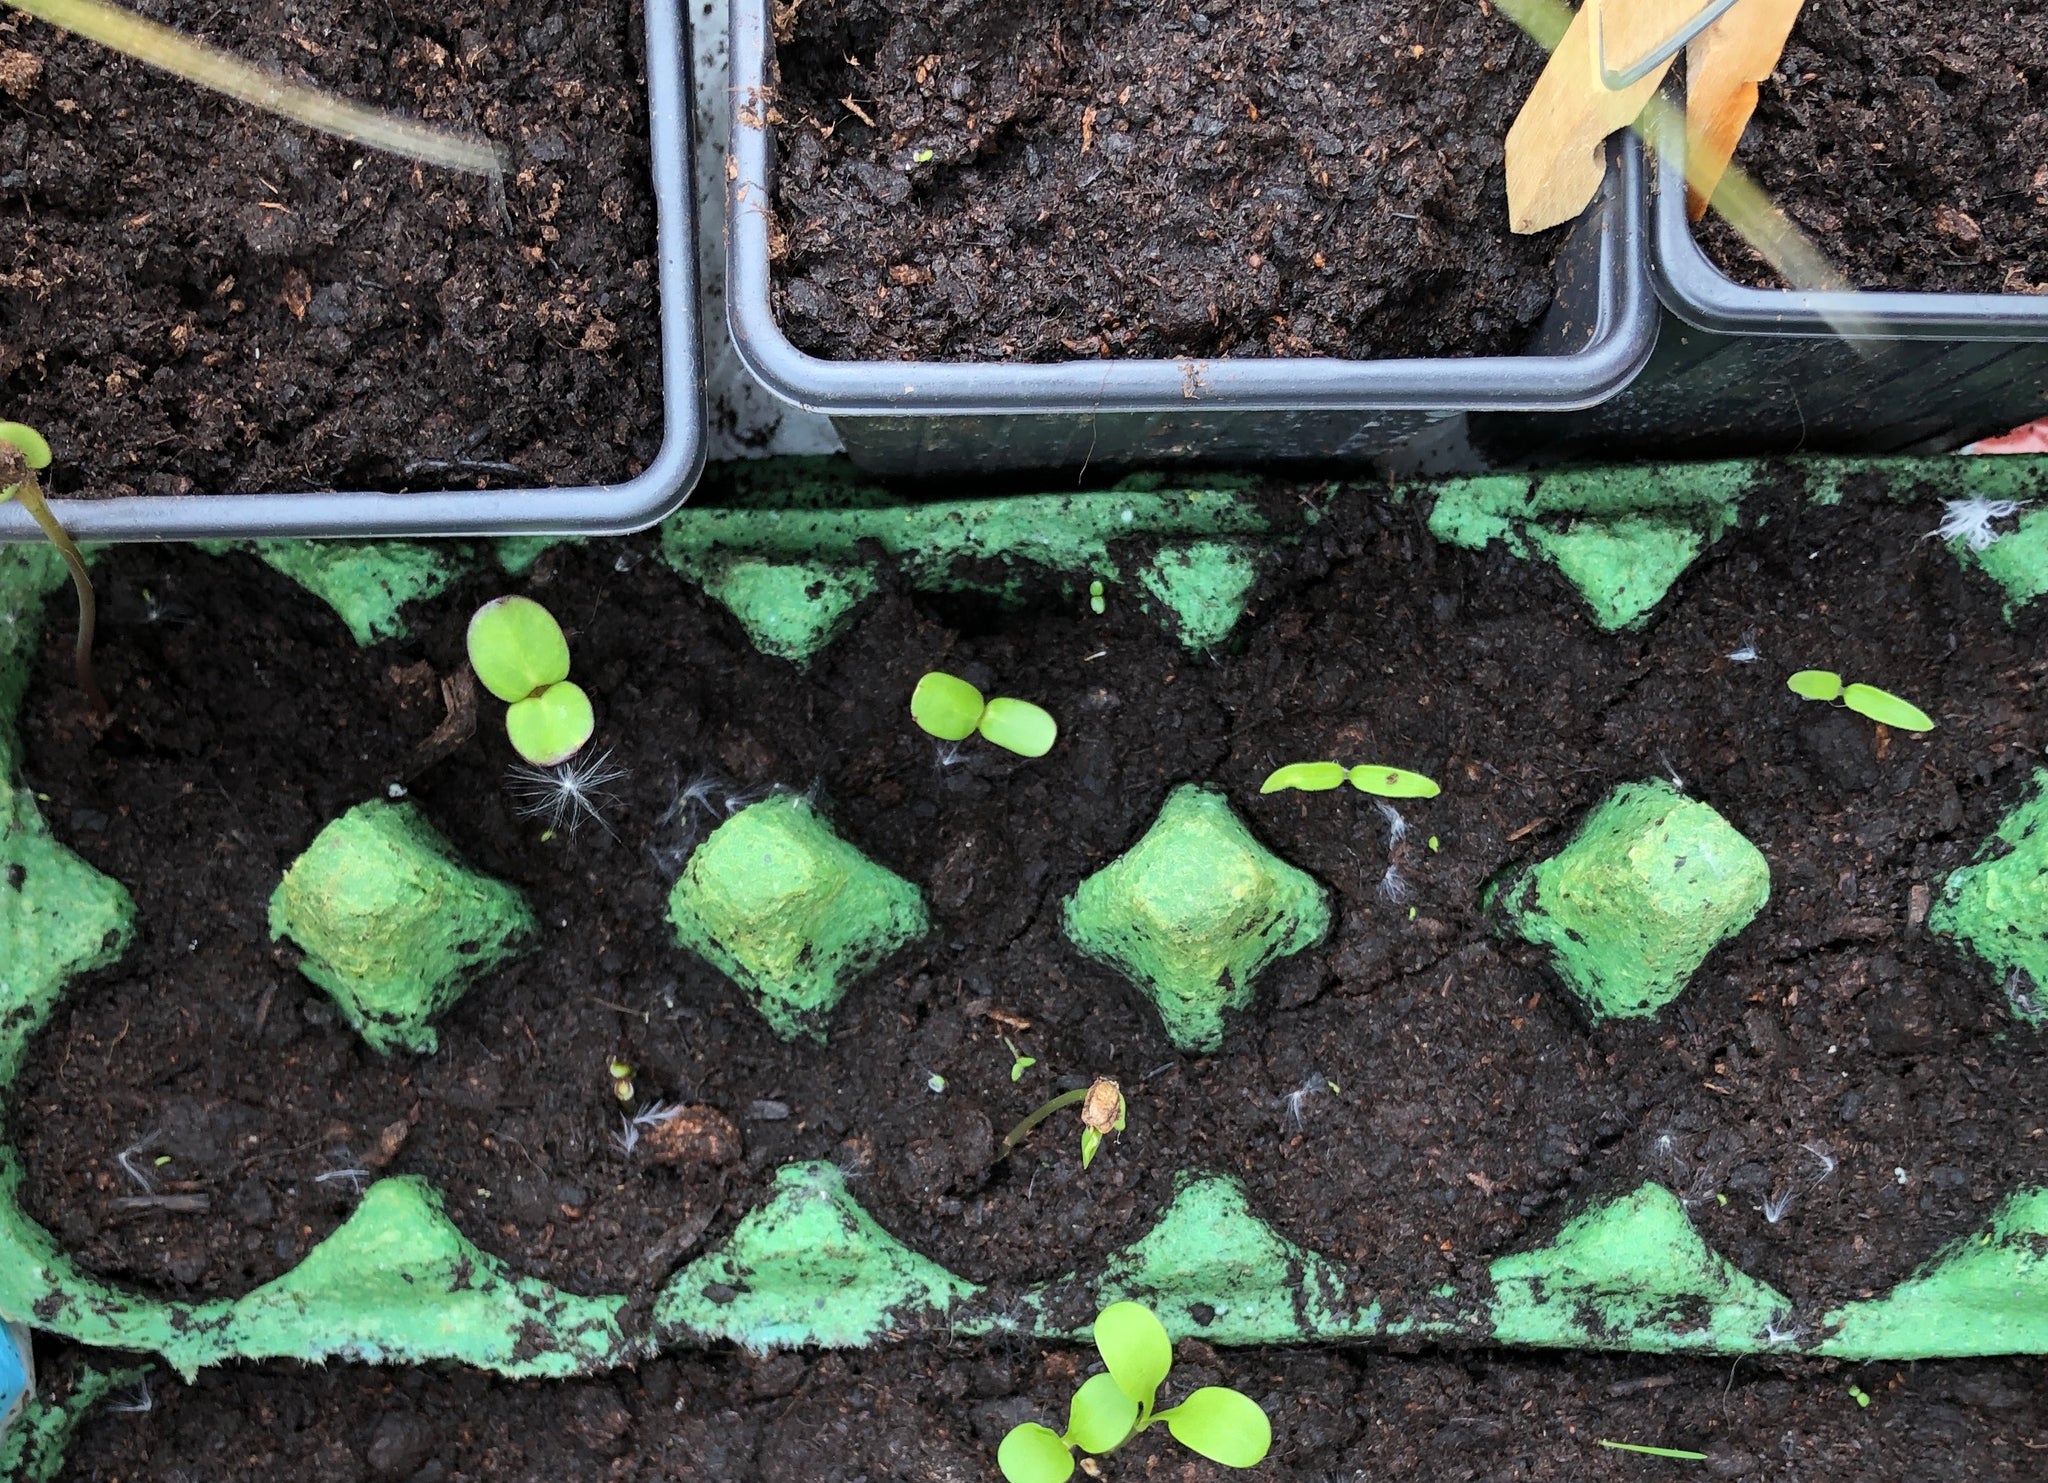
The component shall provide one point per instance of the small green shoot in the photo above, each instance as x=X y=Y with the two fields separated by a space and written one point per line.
x=1816 y=684
x=622 y=1079
x=1434 y=846
x=947 y=707
x=935 y=1082
x=1306 y=777
x=1393 y=782
x=1321 y=777
x=1653 y=1451
x=922 y=157
x=1095 y=601
x=1880 y=706
x=1221 y=1424
x=1102 y=1111
x=1859 y=1395
x=1019 y=1062
x=519 y=652
x=1886 y=708
x=23 y=454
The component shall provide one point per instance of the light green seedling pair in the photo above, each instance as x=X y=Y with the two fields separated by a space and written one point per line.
x=1222 y=1424
x=517 y=649
x=24 y=453
x=1881 y=706
x=1321 y=777
x=953 y=710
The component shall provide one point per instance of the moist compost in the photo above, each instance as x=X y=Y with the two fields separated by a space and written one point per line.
x=1450 y=1103
x=1029 y=180
x=197 y=297
x=1906 y=137
x=922 y=1413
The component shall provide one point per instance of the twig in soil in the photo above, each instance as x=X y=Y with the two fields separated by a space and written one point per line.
x=126 y=1159
x=355 y=1177
x=173 y=1204
x=1638 y=1385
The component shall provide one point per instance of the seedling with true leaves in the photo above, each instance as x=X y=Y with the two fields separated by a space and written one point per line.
x=23 y=454
x=1321 y=777
x=1102 y=1112
x=1224 y=1425
x=1880 y=706
x=952 y=710
x=519 y=652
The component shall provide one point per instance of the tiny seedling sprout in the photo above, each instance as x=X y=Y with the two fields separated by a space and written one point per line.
x=621 y=1073
x=1095 y=601
x=24 y=454
x=947 y=707
x=1019 y=1062
x=1880 y=706
x=519 y=652
x=1672 y=1452
x=1223 y=1425
x=1102 y=1111
x=1321 y=777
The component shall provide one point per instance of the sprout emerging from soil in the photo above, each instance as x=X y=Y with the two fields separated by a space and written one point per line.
x=1880 y=706
x=1970 y=521
x=947 y=707
x=567 y=793
x=1321 y=777
x=24 y=454
x=1108 y=1410
x=1102 y=1112
x=519 y=652
x=126 y=1159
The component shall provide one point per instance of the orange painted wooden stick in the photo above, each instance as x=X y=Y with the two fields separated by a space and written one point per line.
x=1723 y=67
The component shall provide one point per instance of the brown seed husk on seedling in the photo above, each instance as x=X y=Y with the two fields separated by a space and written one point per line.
x=1103 y=1105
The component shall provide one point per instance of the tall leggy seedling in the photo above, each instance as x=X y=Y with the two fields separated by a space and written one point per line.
x=24 y=454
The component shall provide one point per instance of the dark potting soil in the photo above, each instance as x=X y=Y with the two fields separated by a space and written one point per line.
x=1031 y=180
x=1906 y=137
x=1473 y=1108
x=923 y=1413
x=195 y=296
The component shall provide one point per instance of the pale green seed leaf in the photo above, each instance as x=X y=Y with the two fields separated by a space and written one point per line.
x=1034 y=1454
x=946 y=706
x=1090 y=1142
x=1309 y=777
x=34 y=449
x=552 y=726
x=1135 y=1347
x=1392 y=782
x=1019 y=726
x=516 y=647
x=1102 y=1416
x=1886 y=708
x=1816 y=684
x=1223 y=1425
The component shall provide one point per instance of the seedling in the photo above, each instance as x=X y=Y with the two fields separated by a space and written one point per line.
x=1223 y=1425
x=517 y=649
x=621 y=1073
x=1102 y=1111
x=1859 y=1395
x=1637 y=1447
x=1880 y=706
x=23 y=454
x=1321 y=777
x=952 y=710
x=1019 y=1062
x=1095 y=602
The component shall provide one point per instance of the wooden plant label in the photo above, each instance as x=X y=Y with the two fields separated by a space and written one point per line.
x=1635 y=35
x=1557 y=148
x=1723 y=67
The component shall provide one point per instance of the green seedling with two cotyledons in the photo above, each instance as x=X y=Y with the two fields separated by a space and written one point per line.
x=1880 y=706
x=1321 y=777
x=947 y=707
x=519 y=652
x=23 y=454
x=1223 y=1425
